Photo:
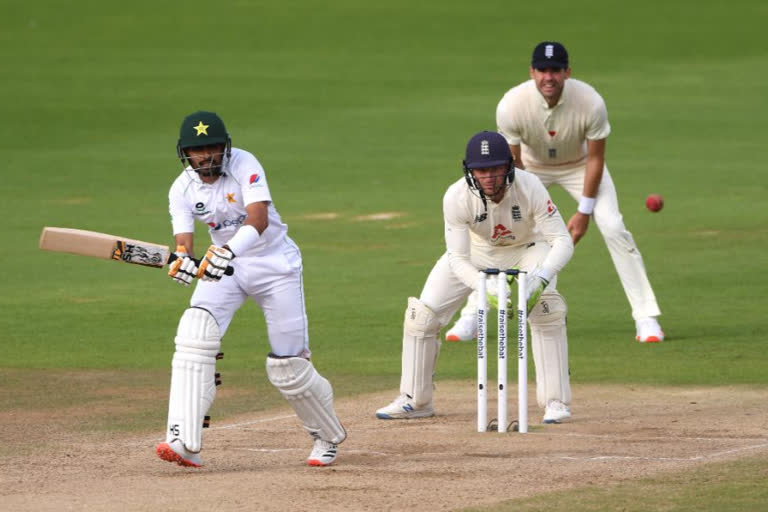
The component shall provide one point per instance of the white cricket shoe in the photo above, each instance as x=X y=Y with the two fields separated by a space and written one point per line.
x=465 y=329
x=555 y=412
x=649 y=330
x=323 y=453
x=175 y=452
x=403 y=408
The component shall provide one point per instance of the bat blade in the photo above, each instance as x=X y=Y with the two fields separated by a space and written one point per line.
x=104 y=246
x=108 y=247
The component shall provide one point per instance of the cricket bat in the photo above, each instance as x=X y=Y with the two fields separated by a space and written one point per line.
x=108 y=247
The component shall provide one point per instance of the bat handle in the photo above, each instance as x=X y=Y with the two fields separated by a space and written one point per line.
x=230 y=270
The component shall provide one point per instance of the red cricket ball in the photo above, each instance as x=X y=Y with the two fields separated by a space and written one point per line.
x=654 y=202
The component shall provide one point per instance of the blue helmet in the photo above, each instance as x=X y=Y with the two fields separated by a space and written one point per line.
x=484 y=150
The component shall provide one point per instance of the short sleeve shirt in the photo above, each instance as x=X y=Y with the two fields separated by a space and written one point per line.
x=553 y=138
x=221 y=205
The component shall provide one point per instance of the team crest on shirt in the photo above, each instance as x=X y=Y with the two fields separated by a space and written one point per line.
x=481 y=217
x=551 y=208
x=516 y=215
x=231 y=198
x=500 y=231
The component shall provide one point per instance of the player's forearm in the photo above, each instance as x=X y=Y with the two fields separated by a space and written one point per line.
x=517 y=154
x=257 y=216
x=595 y=165
x=186 y=239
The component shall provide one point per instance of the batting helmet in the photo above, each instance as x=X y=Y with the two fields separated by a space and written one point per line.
x=202 y=129
x=484 y=150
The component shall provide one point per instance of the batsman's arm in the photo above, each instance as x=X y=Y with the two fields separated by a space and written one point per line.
x=186 y=240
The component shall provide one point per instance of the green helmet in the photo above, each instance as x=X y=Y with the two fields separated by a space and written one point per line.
x=202 y=129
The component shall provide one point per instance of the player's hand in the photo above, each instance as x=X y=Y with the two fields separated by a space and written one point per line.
x=183 y=269
x=492 y=292
x=214 y=263
x=536 y=285
x=577 y=226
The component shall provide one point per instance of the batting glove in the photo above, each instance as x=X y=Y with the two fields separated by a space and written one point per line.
x=183 y=269
x=491 y=294
x=214 y=263
x=536 y=285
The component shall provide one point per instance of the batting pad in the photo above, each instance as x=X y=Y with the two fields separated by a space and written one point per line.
x=549 y=342
x=309 y=394
x=193 y=381
x=421 y=346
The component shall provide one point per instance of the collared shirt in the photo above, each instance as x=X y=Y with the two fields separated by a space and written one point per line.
x=553 y=138
x=221 y=205
x=525 y=215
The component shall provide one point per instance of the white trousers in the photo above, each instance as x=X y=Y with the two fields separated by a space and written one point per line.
x=624 y=252
x=274 y=281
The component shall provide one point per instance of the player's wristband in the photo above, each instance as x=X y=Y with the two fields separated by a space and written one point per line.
x=586 y=205
x=245 y=238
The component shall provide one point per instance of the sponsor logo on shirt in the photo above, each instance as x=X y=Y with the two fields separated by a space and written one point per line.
x=516 y=215
x=552 y=153
x=200 y=209
x=254 y=179
x=481 y=217
x=231 y=198
x=227 y=223
x=500 y=231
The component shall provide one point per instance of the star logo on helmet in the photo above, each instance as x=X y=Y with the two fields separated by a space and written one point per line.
x=202 y=129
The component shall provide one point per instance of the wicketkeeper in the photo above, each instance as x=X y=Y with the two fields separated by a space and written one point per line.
x=226 y=188
x=496 y=216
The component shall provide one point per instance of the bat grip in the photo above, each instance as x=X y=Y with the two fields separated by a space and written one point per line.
x=230 y=270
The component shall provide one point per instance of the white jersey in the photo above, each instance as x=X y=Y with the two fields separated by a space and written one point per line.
x=525 y=215
x=221 y=205
x=553 y=138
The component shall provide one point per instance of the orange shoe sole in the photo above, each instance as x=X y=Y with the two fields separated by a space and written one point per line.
x=165 y=452
x=650 y=339
x=317 y=463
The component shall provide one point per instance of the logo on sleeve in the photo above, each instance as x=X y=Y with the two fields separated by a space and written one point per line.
x=551 y=208
x=254 y=179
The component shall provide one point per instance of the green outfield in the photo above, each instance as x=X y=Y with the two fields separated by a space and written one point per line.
x=354 y=110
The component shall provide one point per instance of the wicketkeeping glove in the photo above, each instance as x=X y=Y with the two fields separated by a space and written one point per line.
x=491 y=293
x=214 y=263
x=536 y=285
x=183 y=269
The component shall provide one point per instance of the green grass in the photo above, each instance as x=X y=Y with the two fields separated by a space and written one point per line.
x=359 y=108
x=719 y=487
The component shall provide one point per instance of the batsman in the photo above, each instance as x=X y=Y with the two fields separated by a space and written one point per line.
x=496 y=216
x=226 y=188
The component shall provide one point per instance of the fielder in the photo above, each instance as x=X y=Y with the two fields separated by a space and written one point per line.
x=556 y=127
x=496 y=216
x=226 y=188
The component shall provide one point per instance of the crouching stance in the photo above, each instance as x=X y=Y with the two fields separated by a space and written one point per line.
x=495 y=217
x=226 y=188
